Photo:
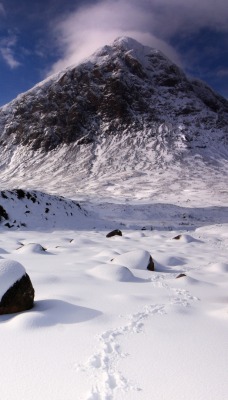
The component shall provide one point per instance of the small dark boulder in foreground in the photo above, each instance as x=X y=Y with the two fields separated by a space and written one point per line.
x=16 y=290
x=116 y=232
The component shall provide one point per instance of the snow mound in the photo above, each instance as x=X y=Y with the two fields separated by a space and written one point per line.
x=173 y=261
x=110 y=272
x=185 y=238
x=138 y=259
x=31 y=248
x=190 y=281
x=10 y=272
x=107 y=254
x=219 y=267
x=221 y=313
x=2 y=251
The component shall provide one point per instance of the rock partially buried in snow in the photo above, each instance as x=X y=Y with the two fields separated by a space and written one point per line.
x=180 y=276
x=116 y=273
x=138 y=259
x=177 y=237
x=186 y=238
x=31 y=248
x=116 y=232
x=16 y=290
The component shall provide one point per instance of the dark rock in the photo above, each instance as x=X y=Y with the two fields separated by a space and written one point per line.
x=180 y=276
x=8 y=225
x=116 y=232
x=177 y=237
x=19 y=297
x=3 y=213
x=150 y=265
x=20 y=193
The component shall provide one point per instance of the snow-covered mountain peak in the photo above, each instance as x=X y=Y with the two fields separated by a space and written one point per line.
x=125 y=111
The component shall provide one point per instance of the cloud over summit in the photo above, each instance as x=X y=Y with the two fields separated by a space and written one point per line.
x=82 y=32
x=152 y=22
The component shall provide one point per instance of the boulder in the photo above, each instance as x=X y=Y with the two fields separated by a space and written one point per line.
x=16 y=290
x=180 y=276
x=116 y=232
x=177 y=237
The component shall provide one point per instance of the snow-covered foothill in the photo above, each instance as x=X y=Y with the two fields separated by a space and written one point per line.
x=35 y=209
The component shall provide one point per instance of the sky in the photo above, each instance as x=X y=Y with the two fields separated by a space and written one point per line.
x=41 y=37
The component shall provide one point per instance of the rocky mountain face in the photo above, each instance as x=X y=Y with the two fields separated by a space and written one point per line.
x=126 y=110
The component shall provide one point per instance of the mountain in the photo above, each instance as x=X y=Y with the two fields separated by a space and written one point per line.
x=127 y=111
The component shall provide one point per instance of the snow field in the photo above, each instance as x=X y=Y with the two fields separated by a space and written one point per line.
x=101 y=330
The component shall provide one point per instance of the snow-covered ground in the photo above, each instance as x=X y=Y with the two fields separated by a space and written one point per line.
x=103 y=326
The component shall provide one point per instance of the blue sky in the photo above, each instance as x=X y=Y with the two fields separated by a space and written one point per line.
x=41 y=37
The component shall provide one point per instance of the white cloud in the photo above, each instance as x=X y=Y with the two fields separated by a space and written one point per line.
x=2 y=9
x=152 y=22
x=7 y=46
x=189 y=16
x=89 y=28
x=223 y=72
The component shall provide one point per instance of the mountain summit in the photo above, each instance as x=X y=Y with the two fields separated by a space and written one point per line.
x=126 y=108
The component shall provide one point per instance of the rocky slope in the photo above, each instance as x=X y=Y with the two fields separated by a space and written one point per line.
x=34 y=209
x=127 y=109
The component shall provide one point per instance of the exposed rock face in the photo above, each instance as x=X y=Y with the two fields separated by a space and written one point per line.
x=125 y=87
x=19 y=297
x=116 y=232
x=16 y=290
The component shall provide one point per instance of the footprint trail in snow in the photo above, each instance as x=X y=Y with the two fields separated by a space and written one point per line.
x=102 y=367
